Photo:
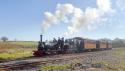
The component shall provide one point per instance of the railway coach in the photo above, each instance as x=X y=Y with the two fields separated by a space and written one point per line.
x=89 y=45
x=81 y=45
x=103 y=45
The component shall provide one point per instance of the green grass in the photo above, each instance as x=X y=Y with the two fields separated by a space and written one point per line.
x=16 y=53
x=16 y=50
x=63 y=67
x=120 y=51
x=122 y=64
x=56 y=67
x=24 y=43
x=117 y=66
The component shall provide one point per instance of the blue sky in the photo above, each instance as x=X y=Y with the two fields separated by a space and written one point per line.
x=22 y=20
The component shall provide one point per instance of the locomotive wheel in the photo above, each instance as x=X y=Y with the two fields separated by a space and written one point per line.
x=38 y=53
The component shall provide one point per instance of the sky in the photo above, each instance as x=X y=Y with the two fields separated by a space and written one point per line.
x=93 y=19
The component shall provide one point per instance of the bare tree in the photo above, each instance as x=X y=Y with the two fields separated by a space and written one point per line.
x=4 y=39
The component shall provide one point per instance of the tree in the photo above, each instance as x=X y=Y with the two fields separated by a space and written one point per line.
x=118 y=42
x=4 y=39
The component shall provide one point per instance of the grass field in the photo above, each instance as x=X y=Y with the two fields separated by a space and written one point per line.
x=114 y=66
x=24 y=43
x=120 y=51
x=119 y=63
x=15 y=50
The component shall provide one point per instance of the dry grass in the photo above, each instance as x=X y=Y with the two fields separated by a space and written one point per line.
x=15 y=50
x=119 y=64
x=120 y=51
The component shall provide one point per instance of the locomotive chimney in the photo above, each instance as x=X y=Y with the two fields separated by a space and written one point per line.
x=41 y=36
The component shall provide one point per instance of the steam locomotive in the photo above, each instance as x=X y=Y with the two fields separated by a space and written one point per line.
x=73 y=45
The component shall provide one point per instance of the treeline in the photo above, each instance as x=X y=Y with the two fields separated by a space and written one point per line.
x=4 y=39
x=117 y=42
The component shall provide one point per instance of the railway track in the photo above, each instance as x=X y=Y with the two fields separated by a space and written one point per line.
x=7 y=66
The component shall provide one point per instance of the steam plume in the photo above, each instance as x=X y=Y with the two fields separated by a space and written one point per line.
x=78 y=17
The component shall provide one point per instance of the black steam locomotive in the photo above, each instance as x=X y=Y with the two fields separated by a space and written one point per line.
x=73 y=45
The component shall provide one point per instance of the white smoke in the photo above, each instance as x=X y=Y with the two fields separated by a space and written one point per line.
x=78 y=17
x=61 y=11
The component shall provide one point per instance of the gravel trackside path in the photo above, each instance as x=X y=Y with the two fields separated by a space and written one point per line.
x=107 y=60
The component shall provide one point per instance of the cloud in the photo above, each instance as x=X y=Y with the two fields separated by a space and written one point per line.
x=121 y=5
x=76 y=17
x=104 y=5
x=60 y=14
